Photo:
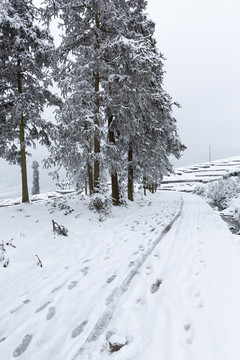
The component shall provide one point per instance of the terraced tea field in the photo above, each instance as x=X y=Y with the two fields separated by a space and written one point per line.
x=186 y=178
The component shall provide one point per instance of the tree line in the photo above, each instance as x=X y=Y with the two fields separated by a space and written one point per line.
x=114 y=119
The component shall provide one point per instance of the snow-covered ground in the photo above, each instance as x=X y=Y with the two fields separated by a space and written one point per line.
x=157 y=280
x=188 y=177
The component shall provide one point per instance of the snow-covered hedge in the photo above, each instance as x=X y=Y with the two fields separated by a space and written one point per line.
x=200 y=190
x=220 y=192
x=101 y=203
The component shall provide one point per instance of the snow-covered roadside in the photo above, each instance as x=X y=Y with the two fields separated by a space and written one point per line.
x=194 y=313
x=48 y=312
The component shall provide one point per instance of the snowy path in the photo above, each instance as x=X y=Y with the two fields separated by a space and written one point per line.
x=113 y=300
x=195 y=313
x=159 y=280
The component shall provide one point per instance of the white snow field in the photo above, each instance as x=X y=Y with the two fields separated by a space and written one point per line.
x=160 y=279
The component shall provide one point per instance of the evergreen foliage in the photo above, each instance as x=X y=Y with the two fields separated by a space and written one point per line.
x=116 y=117
x=26 y=51
x=36 y=187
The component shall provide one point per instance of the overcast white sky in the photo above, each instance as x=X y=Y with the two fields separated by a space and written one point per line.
x=200 y=41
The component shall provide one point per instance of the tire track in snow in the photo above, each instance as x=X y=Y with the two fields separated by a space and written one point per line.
x=113 y=299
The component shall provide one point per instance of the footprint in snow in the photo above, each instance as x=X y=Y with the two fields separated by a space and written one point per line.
x=155 y=286
x=85 y=270
x=21 y=348
x=136 y=252
x=79 y=329
x=86 y=261
x=72 y=285
x=187 y=328
x=2 y=339
x=57 y=288
x=42 y=306
x=140 y=301
x=51 y=313
x=26 y=301
x=110 y=279
x=198 y=299
x=131 y=263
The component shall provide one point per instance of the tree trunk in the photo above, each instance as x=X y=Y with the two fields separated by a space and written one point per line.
x=130 y=174
x=90 y=179
x=25 y=197
x=145 y=185
x=114 y=176
x=96 y=121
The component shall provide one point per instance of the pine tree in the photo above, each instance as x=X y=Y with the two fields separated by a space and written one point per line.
x=26 y=52
x=36 y=187
x=137 y=103
x=82 y=71
x=116 y=115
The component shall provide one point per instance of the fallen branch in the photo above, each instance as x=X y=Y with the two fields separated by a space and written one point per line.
x=39 y=262
x=60 y=229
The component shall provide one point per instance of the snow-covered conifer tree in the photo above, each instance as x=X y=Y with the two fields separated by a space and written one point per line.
x=25 y=55
x=36 y=187
x=81 y=69
x=116 y=115
x=141 y=118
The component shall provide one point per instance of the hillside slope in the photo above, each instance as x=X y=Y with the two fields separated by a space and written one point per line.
x=187 y=177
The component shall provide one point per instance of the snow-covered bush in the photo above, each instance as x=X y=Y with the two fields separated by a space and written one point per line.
x=221 y=191
x=101 y=203
x=200 y=190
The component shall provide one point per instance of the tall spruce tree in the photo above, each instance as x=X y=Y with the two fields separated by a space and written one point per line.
x=141 y=112
x=80 y=72
x=116 y=115
x=26 y=51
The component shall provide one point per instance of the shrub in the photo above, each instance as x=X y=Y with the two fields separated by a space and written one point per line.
x=200 y=190
x=221 y=191
x=101 y=203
